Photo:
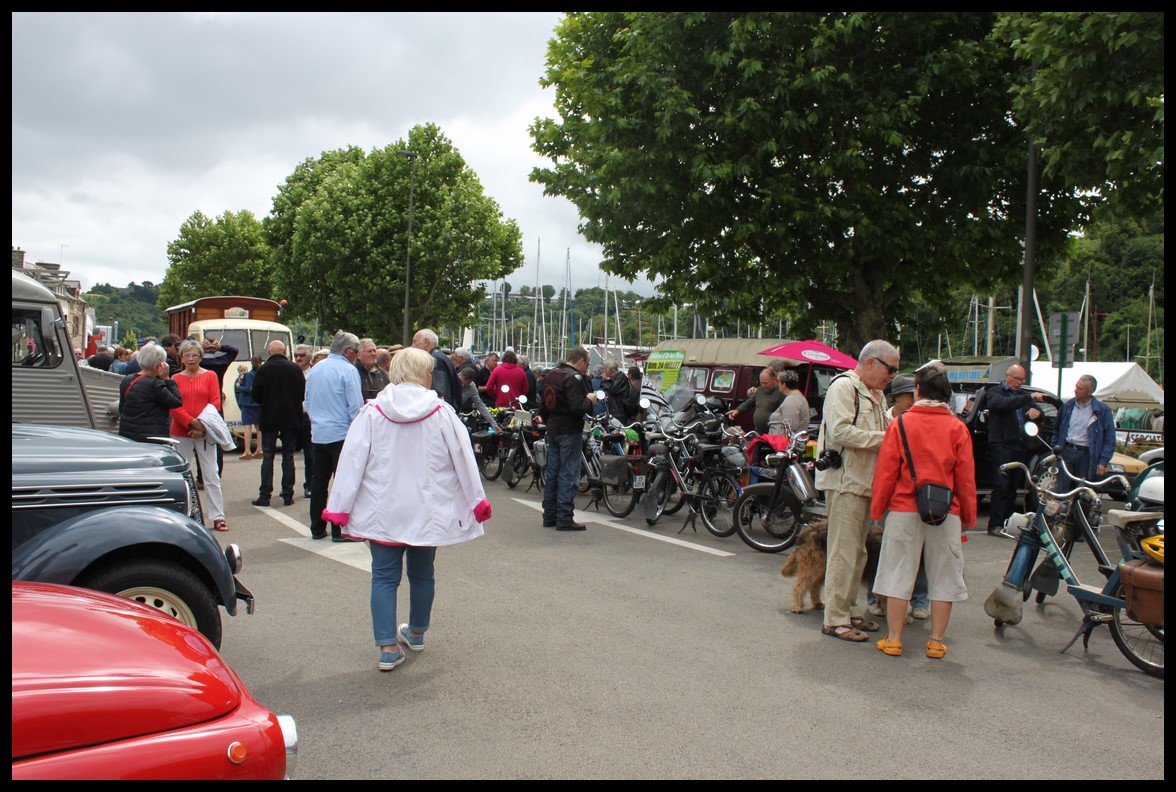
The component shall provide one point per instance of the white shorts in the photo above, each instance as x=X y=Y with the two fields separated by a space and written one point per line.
x=905 y=540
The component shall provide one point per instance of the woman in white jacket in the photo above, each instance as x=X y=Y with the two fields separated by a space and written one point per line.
x=407 y=482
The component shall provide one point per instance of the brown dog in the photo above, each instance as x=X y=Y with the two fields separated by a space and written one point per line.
x=806 y=563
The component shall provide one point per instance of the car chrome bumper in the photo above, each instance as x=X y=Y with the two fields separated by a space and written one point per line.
x=290 y=738
x=244 y=594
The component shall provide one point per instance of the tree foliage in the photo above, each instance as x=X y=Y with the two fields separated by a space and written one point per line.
x=1095 y=105
x=828 y=166
x=339 y=237
x=135 y=308
x=227 y=255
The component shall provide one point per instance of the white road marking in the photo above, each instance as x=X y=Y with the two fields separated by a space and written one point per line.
x=584 y=516
x=353 y=554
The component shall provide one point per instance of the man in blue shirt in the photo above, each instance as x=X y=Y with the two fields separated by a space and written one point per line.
x=1085 y=431
x=333 y=399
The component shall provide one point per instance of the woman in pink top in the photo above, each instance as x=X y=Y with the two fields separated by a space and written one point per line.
x=199 y=388
x=507 y=380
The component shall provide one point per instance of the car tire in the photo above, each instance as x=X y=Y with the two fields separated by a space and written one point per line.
x=164 y=586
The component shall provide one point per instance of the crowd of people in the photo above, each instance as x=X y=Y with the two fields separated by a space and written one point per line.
x=360 y=415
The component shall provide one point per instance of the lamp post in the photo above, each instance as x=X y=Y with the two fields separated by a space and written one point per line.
x=412 y=157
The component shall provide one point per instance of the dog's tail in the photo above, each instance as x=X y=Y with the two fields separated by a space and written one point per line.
x=791 y=564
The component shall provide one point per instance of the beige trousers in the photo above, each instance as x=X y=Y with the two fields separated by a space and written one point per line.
x=845 y=555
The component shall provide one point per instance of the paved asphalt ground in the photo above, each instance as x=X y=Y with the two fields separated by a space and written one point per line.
x=634 y=652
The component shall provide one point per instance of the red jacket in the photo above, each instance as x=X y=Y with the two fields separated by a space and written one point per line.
x=514 y=378
x=942 y=450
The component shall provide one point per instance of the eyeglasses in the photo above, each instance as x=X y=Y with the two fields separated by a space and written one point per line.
x=891 y=370
x=1015 y=378
x=192 y=357
x=299 y=354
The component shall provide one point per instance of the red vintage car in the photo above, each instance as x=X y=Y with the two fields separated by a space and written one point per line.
x=106 y=688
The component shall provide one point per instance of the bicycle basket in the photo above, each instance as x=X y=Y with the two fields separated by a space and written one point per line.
x=521 y=418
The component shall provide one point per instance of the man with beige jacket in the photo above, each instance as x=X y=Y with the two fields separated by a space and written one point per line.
x=851 y=433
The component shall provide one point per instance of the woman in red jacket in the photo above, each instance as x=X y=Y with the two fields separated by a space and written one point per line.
x=199 y=388
x=510 y=374
x=941 y=448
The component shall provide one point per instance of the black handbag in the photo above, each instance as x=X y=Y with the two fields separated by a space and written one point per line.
x=933 y=500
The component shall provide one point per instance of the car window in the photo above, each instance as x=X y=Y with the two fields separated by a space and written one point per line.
x=29 y=347
x=723 y=380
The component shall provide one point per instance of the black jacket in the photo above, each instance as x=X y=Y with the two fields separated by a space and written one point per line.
x=1003 y=406
x=145 y=406
x=371 y=382
x=622 y=399
x=565 y=401
x=279 y=387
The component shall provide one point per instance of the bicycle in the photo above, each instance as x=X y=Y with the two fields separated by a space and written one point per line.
x=1141 y=642
x=614 y=465
x=770 y=514
x=489 y=447
x=701 y=473
x=527 y=450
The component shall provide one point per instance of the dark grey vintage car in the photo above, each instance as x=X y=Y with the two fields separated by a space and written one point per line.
x=96 y=510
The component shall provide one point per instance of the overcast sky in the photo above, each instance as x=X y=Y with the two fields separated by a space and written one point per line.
x=123 y=125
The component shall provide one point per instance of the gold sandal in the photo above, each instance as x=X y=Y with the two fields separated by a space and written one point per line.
x=936 y=649
x=892 y=648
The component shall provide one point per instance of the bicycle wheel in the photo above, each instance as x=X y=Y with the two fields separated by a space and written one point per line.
x=763 y=527
x=719 y=494
x=620 y=499
x=490 y=463
x=657 y=495
x=676 y=498
x=589 y=471
x=516 y=467
x=1142 y=644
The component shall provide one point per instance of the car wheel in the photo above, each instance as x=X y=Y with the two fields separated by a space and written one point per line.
x=164 y=586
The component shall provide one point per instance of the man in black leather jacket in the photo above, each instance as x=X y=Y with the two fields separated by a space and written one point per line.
x=565 y=402
x=1008 y=409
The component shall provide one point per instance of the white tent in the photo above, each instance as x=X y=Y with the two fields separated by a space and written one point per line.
x=1119 y=384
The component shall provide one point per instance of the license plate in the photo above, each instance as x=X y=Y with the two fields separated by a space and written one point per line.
x=639 y=482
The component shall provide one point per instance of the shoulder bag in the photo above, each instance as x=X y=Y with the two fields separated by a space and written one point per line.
x=933 y=500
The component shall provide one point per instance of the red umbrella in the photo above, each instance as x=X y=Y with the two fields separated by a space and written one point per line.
x=812 y=352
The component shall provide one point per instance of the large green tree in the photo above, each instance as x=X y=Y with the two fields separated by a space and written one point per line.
x=831 y=166
x=339 y=235
x=1095 y=103
x=227 y=255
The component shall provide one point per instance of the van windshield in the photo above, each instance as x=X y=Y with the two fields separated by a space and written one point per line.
x=29 y=347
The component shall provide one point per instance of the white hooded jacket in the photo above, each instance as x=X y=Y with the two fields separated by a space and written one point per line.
x=407 y=472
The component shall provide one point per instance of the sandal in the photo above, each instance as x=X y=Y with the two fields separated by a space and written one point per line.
x=864 y=624
x=220 y=525
x=845 y=633
x=892 y=648
x=936 y=649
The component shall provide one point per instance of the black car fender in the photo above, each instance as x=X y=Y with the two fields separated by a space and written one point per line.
x=65 y=552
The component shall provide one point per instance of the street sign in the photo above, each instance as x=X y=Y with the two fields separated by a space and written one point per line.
x=1063 y=334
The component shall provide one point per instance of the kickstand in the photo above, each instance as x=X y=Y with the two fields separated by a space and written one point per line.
x=690 y=519
x=597 y=494
x=1088 y=625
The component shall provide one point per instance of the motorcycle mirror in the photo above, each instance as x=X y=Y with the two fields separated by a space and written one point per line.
x=699 y=399
x=505 y=389
x=644 y=403
x=522 y=398
x=600 y=395
x=1032 y=429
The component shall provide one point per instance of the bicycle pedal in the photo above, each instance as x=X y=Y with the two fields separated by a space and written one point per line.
x=1100 y=618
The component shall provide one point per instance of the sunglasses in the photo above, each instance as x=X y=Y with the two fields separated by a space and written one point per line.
x=891 y=370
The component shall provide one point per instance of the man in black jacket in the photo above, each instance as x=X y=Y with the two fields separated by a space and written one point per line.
x=1008 y=409
x=279 y=387
x=372 y=378
x=566 y=401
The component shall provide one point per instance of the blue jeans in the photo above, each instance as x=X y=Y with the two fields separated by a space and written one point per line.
x=562 y=476
x=386 y=565
x=269 y=444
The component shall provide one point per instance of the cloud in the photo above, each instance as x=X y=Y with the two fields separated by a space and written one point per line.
x=123 y=125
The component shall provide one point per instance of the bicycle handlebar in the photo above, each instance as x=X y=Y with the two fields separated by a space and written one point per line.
x=1085 y=487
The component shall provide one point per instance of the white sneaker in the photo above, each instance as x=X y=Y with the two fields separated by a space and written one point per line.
x=921 y=613
x=877 y=608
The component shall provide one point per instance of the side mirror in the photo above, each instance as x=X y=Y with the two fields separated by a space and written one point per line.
x=699 y=399
x=505 y=389
x=644 y=403
x=601 y=395
x=1032 y=429
x=522 y=398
